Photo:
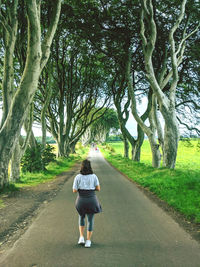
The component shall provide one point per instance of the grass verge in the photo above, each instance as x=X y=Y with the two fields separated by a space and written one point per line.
x=52 y=170
x=179 y=188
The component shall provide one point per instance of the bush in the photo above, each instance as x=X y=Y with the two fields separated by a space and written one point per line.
x=48 y=155
x=35 y=158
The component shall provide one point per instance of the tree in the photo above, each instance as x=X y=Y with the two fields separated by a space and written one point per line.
x=37 y=56
x=166 y=102
x=99 y=130
x=70 y=88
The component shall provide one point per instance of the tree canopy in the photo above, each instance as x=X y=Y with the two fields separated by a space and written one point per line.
x=78 y=68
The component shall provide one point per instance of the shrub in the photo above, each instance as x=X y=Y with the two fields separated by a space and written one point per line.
x=48 y=155
x=35 y=158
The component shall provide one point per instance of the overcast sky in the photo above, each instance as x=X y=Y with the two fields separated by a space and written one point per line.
x=131 y=124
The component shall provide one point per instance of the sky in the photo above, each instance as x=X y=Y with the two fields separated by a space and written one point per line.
x=131 y=125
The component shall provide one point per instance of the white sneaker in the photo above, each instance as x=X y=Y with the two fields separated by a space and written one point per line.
x=88 y=244
x=81 y=240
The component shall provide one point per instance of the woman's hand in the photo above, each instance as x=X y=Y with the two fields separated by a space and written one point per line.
x=97 y=188
x=75 y=191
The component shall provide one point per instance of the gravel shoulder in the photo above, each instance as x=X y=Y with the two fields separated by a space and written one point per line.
x=22 y=207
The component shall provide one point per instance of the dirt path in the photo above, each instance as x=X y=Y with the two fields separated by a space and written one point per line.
x=131 y=231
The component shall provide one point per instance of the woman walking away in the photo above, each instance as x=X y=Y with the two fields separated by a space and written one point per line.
x=87 y=203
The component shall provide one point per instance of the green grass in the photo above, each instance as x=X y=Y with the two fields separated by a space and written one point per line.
x=187 y=157
x=180 y=188
x=53 y=169
x=1 y=203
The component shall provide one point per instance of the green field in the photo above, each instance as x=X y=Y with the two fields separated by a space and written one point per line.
x=180 y=188
x=187 y=158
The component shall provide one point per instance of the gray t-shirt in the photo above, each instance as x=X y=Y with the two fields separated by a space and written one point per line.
x=86 y=182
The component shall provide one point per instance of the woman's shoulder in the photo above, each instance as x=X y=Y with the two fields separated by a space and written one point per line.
x=78 y=176
x=94 y=175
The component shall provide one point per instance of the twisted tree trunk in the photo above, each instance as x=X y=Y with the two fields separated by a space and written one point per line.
x=149 y=131
x=20 y=147
x=37 y=57
x=166 y=103
x=136 y=150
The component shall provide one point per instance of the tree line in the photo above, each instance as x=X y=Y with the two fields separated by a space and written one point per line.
x=65 y=62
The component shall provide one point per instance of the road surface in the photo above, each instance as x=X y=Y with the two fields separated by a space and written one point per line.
x=131 y=231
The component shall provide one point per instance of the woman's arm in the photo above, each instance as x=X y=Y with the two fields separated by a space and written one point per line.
x=97 y=188
x=75 y=184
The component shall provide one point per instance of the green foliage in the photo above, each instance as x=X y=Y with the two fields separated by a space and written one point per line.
x=9 y=188
x=180 y=188
x=54 y=168
x=36 y=159
x=114 y=138
x=1 y=203
x=81 y=149
x=32 y=159
x=48 y=155
x=49 y=139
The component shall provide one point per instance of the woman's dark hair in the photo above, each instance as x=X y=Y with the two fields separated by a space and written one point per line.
x=86 y=167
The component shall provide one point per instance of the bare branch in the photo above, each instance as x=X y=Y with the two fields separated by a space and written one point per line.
x=50 y=33
x=173 y=52
x=188 y=101
x=189 y=127
x=142 y=31
x=148 y=51
x=133 y=100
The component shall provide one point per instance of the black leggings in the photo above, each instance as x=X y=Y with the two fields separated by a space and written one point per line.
x=90 y=219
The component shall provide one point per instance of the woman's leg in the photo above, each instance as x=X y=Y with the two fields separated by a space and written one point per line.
x=81 y=224
x=90 y=218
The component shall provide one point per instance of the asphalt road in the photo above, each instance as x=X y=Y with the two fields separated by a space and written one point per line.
x=131 y=231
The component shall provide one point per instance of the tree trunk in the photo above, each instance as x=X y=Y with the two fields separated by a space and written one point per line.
x=4 y=171
x=37 y=57
x=15 y=163
x=176 y=48
x=43 y=115
x=171 y=139
x=23 y=98
x=157 y=122
x=61 y=147
x=21 y=146
x=136 y=149
x=67 y=148
x=72 y=148
x=156 y=156
x=149 y=131
x=86 y=138
x=10 y=34
x=126 y=148
x=32 y=140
